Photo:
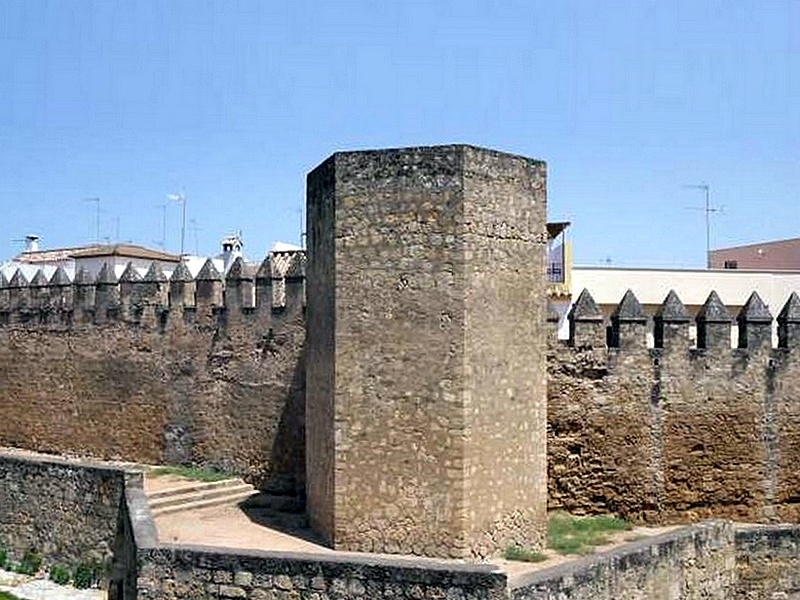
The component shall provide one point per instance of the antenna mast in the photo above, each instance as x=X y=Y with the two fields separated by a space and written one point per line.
x=163 y=242
x=96 y=218
x=182 y=199
x=707 y=210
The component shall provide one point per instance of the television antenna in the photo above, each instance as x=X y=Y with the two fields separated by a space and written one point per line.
x=707 y=209
x=96 y=217
x=182 y=199
x=162 y=243
x=195 y=228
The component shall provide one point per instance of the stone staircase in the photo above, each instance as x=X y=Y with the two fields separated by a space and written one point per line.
x=182 y=496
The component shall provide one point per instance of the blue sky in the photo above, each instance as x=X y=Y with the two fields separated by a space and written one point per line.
x=233 y=102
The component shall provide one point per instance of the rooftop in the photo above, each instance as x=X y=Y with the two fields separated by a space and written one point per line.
x=98 y=250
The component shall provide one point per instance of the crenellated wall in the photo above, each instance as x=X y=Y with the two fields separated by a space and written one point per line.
x=674 y=432
x=205 y=370
x=211 y=370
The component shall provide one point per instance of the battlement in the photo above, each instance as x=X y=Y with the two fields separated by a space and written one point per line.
x=626 y=329
x=153 y=299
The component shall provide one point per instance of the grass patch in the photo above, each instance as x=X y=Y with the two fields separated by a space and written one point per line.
x=523 y=554
x=580 y=535
x=7 y=596
x=195 y=473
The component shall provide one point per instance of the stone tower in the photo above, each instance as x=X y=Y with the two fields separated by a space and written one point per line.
x=426 y=383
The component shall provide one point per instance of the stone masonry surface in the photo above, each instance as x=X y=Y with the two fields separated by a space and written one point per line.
x=703 y=561
x=426 y=404
x=217 y=384
x=768 y=563
x=66 y=512
x=675 y=433
x=663 y=434
x=697 y=563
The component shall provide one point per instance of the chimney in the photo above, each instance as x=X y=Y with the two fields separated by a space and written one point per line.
x=31 y=243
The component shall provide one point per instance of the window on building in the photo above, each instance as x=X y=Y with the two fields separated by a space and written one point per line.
x=731 y=264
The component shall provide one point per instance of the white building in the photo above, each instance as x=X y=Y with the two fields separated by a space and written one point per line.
x=91 y=258
x=608 y=285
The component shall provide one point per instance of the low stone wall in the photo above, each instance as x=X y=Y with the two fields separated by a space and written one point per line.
x=171 y=572
x=689 y=564
x=768 y=563
x=65 y=511
x=71 y=511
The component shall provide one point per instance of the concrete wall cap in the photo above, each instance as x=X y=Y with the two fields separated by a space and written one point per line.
x=585 y=308
x=264 y=272
x=209 y=272
x=629 y=310
x=238 y=272
x=39 y=280
x=154 y=274
x=790 y=313
x=60 y=277
x=18 y=280
x=672 y=310
x=754 y=311
x=181 y=273
x=713 y=311
x=130 y=274
x=106 y=275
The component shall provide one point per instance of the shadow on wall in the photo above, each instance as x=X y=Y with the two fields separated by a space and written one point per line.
x=287 y=456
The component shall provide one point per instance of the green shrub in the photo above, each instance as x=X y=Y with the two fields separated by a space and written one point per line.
x=7 y=596
x=86 y=575
x=59 y=575
x=3 y=558
x=31 y=562
x=523 y=554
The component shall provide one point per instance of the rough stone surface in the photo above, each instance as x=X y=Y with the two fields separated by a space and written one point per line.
x=704 y=561
x=675 y=433
x=216 y=387
x=768 y=563
x=693 y=564
x=426 y=404
x=65 y=512
x=173 y=573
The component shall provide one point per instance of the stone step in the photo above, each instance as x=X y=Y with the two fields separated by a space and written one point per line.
x=193 y=486
x=234 y=496
x=192 y=495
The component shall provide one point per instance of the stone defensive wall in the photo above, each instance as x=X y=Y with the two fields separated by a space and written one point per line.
x=211 y=371
x=676 y=433
x=207 y=370
x=71 y=510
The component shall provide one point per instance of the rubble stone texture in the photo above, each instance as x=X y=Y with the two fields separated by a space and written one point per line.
x=140 y=373
x=676 y=433
x=426 y=408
